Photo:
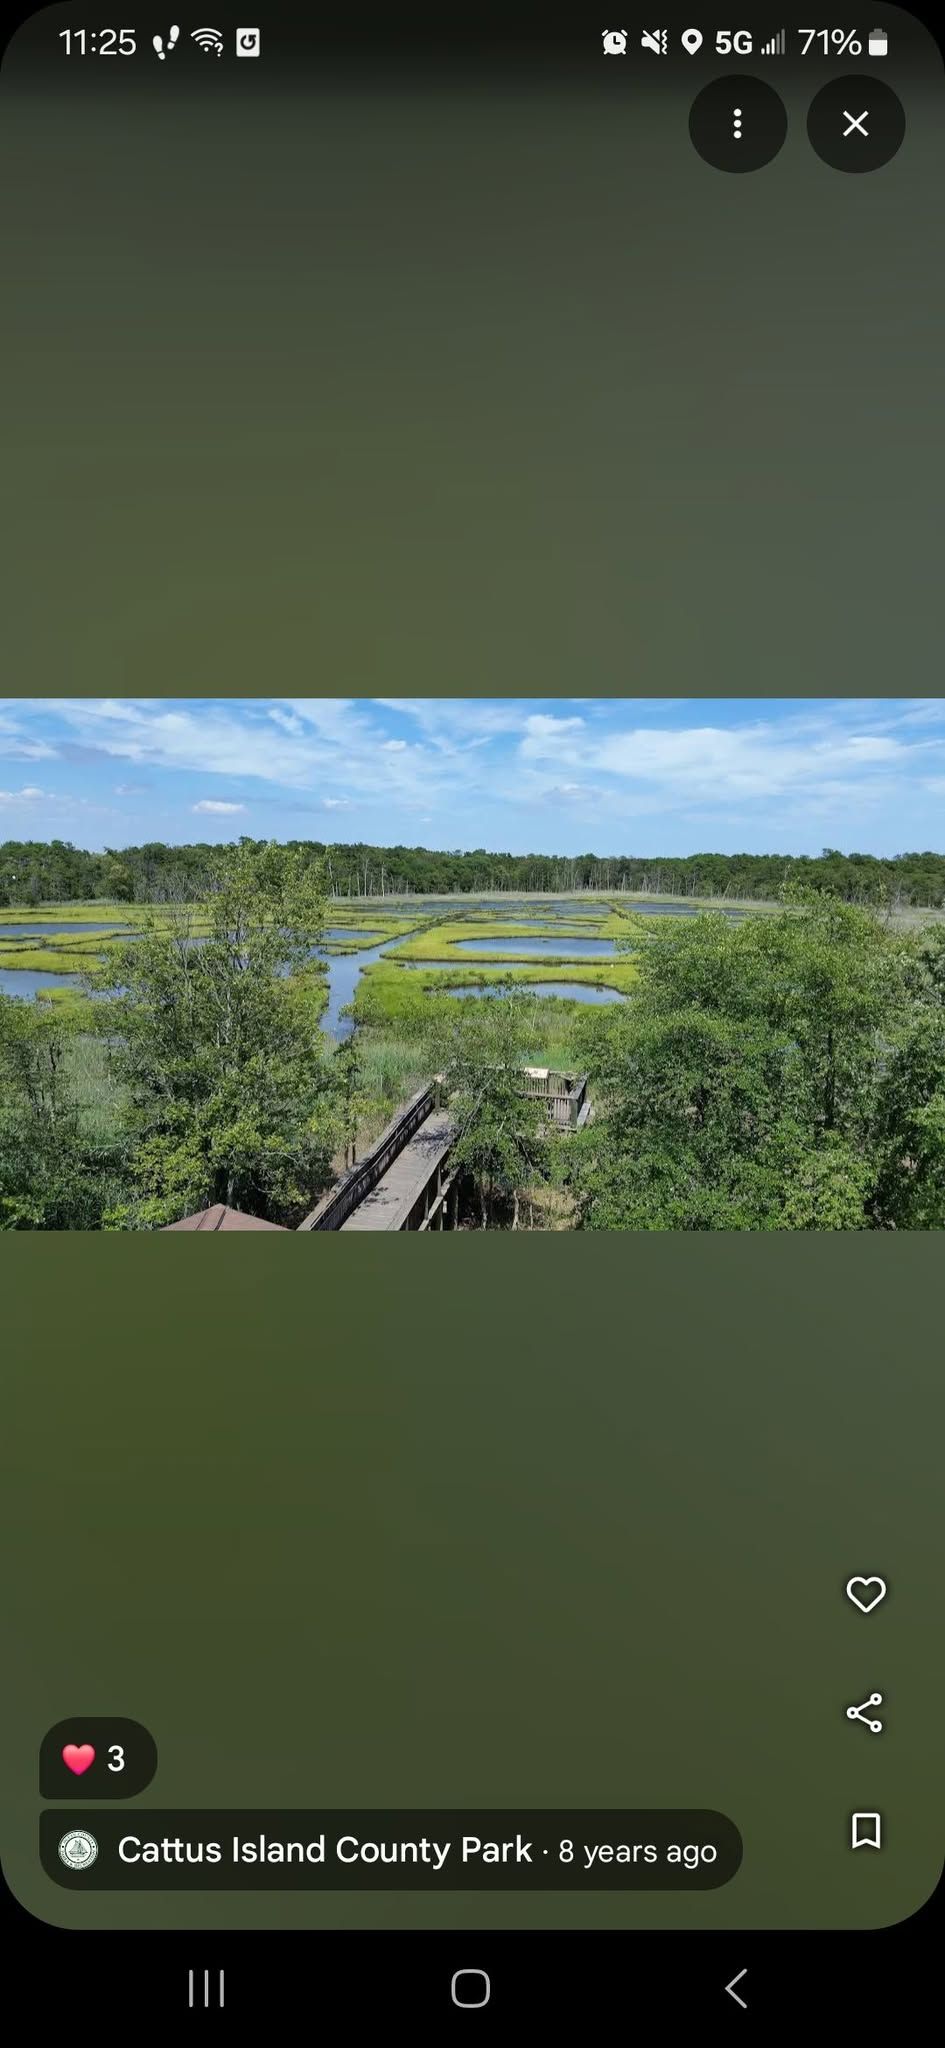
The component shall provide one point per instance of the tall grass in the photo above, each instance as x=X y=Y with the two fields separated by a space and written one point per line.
x=392 y=1069
x=92 y=1084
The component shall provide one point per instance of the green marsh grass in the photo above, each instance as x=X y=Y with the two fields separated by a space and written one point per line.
x=43 y=960
x=439 y=941
x=389 y=997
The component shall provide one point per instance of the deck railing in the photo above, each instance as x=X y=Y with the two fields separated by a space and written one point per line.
x=564 y=1094
x=334 y=1208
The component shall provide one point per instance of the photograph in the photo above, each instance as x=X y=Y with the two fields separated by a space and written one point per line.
x=249 y=980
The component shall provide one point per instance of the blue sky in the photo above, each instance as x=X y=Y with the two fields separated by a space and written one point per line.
x=612 y=775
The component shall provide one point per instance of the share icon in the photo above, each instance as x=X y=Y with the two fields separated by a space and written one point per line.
x=859 y=1713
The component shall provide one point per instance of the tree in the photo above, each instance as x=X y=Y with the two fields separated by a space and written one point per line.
x=118 y=882
x=910 y=1193
x=480 y=1049
x=353 y=1102
x=34 y=871
x=215 y=1036
x=780 y=1074
x=55 y=1172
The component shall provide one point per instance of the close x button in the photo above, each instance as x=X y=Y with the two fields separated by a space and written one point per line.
x=856 y=124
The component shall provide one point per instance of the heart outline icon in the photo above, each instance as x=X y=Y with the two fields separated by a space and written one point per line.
x=77 y=1757
x=866 y=1606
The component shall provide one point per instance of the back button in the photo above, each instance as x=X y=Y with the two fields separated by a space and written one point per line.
x=735 y=1987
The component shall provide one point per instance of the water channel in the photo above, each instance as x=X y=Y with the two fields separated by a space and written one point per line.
x=42 y=930
x=22 y=982
x=574 y=991
x=586 y=949
x=577 y=907
x=343 y=972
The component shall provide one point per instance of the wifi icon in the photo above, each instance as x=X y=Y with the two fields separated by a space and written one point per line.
x=208 y=39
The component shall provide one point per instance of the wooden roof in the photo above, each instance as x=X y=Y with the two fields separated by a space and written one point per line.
x=219 y=1217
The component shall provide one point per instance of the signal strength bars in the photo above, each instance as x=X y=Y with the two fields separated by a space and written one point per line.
x=775 y=45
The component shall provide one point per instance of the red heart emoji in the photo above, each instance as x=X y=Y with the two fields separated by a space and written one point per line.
x=78 y=1756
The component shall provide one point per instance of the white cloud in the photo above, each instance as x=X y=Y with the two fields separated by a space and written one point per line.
x=572 y=793
x=312 y=745
x=865 y=747
x=540 y=726
x=28 y=795
x=810 y=760
x=606 y=762
x=17 y=745
x=453 y=723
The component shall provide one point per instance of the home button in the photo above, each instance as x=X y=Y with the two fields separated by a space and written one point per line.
x=470 y=1988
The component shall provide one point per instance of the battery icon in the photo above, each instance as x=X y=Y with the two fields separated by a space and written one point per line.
x=877 y=45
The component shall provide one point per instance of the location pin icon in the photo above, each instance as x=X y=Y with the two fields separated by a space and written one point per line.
x=692 y=40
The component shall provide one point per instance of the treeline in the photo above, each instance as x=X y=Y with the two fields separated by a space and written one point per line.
x=53 y=871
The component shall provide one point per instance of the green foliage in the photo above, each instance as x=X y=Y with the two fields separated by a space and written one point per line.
x=118 y=881
x=503 y=1137
x=786 y=1073
x=61 y=1163
x=910 y=1193
x=230 y=1090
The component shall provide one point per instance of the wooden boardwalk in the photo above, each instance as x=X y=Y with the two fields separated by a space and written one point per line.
x=407 y=1181
x=407 y=1178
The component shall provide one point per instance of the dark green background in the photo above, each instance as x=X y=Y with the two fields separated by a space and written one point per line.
x=475 y=387
x=346 y=393
x=554 y=1521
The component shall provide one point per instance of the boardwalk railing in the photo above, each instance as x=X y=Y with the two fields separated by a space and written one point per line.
x=566 y=1100
x=565 y=1094
x=361 y=1179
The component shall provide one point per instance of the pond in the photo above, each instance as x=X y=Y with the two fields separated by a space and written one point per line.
x=32 y=931
x=343 y=931
x=498 y=906
x=537 y=907
x=589 y=949
x=574 y=991
x=676 y=909
x=20 y=982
